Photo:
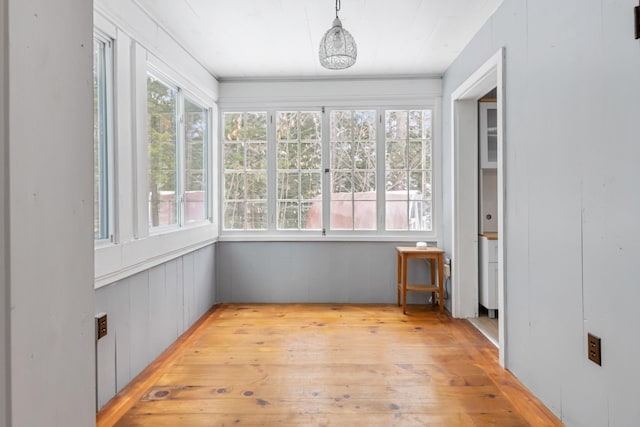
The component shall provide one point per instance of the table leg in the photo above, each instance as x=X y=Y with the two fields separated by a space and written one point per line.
x=399 y=276
x=441 y=282
x=404 y=284
x=432 y=267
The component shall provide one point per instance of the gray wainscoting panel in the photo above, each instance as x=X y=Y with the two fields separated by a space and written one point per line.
x=204 y=270
x=189 y=296
x=308 y=272
x=147 y=312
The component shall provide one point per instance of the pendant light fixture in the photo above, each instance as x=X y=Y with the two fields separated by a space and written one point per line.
x=338 y=48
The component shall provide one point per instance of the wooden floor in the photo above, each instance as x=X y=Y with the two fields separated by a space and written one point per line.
x=317 y=365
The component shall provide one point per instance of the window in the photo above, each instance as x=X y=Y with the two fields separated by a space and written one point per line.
x=177 y=156
x=377 y=164
x=162 y=146
x=353 y=170
x=101 y=136
x=195 y=161
x=245 y=171
x=299 y=170
x=408 y=179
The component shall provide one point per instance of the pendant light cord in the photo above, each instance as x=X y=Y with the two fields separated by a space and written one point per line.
x=337 y=7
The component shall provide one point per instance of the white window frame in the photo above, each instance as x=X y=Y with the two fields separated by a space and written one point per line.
x=273 y=234
x=382 y=122
x=181 y=95
x=108 y=175
x=272 y=172
x=206 y=156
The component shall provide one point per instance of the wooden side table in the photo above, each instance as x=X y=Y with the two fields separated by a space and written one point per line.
x=405 y=253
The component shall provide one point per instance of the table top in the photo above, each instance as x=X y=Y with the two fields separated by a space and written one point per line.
x=414 y=250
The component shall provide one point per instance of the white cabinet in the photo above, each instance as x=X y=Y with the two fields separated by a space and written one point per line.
x=488 y=269
x=488 y=117
x=488 y=199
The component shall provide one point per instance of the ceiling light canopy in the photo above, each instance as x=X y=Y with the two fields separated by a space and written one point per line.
x=338 y=48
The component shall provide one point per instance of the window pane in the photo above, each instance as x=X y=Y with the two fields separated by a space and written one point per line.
x=365 y=183
x=364 y=125
x=341 y=156
x=195 y=161
x=288 y=155
x=341 y=184
x=288 y=185
x=310 y=185
x=396 y=155
x=353 y=170
x=396 y=215
x=245 y=178
x=365 y=155
x=409 y=170
x=234 y=215
x=233 y=127
x=100 y=146
x=256 y=217
x=256 y=126
x=256 y=156
x=256 y=185
x=397 y=182
x=396 y=125
x=311 y=214
x=233 y=156
x=364 y=214
x=310 y=126
x=341 y=214
x=288 y=211
x=287 y=127
x=161 y=120
x=234 y=186
x=310 y=156
x=299 y=175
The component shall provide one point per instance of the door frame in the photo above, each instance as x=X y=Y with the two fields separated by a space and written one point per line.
x=464 y=176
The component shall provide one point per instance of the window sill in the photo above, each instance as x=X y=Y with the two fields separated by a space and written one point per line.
x=316 y=237
x=115 y=262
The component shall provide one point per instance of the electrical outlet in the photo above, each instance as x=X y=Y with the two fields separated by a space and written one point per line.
x=101 y=325
x=594 y=349
x=447 y=271
x=637 y=21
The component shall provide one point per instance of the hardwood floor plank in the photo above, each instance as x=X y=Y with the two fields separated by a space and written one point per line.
x=329 y=364
x=297 y=420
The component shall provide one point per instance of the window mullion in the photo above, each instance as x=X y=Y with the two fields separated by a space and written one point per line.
x=103 y=146
x=326 y=172
x=272 y=172
x=353 y=142
x=407 y=143
x=110 y=200
x=299 y=171
x=180 y=161
x=380 y=170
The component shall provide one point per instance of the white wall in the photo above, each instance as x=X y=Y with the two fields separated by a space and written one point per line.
x=4 y=290
x=51 y=213
x=313 y=272
x=336 y=92
x=571 y=150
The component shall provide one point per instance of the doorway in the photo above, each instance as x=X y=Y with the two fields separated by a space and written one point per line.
x=465 y=200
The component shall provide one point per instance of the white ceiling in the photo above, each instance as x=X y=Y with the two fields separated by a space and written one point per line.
x=248 y=39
